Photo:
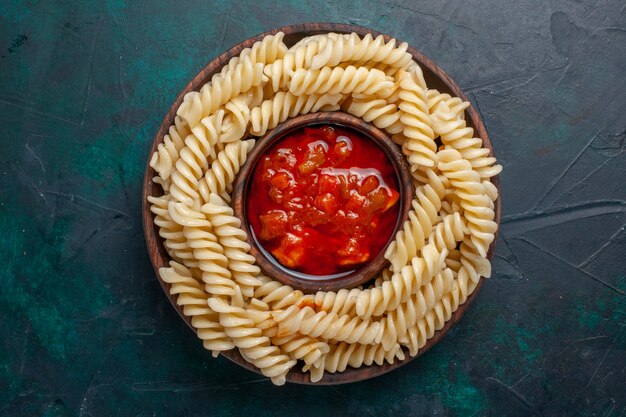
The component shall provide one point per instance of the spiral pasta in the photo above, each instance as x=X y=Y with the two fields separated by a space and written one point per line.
x=380 y=112
x=434 y=320
x=338 y=80
x=308 y=349
x=275 y=294
x=454 y=105
x=422 y=218
x=450 y=231
x=233 y=240
x=285 y=105
x=239 y=75
x=192 y=298
x=455 y=133
x=243 y=77
x=356 y=355
x=329 y=326
x=340 y=302
x=167 y=152
x=474 y=200
x=194 y=158
x=379 y=299
x=417 y=137
x=254 y=347
x=397 y=322
x=225 y=167
x=366 y=50
x=172 y=233
x=299 y=56
x=435 y=262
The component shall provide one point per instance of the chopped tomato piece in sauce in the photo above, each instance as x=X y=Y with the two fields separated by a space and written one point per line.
x=323 y=200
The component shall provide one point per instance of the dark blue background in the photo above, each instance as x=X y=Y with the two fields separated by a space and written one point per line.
x=86 y=329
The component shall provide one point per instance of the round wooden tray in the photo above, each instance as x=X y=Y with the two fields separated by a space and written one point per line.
x=435 y=78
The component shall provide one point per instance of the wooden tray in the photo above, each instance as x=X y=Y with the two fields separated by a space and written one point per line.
x=435 y=78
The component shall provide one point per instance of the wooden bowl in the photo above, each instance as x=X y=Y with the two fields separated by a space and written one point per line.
x=434 y=76
x=295 y=279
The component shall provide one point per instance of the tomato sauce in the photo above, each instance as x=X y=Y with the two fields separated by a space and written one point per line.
x=323 y=200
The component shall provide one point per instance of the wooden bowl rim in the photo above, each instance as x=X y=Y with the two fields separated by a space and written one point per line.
x=154 y=244
x=375 y=266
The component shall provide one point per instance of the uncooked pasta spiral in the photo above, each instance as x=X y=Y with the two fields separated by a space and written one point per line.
x=448 y=232
x=422 y=218
x=306 y=348
x=491 y=190
x=356 y=355
x=220 y=91
x=377 y=300
x=436 y=260
x=329 y=326
x=338 y=80
x=209 y=253
x=227 y=227
x=425 y=328
x=268 y=50
x=397 y=322
x=254 y=347
x=340 y=302
x=418 y=74
x=471 y=266
x=366 y=50
x=285 y=105
x=474 y=200
x=417 y=137
x=455 y=133
x=194 y=159
x=299 y=56
x=172 y=233
x=167 y=152
x=236 y=120
x=473 y=262
x=455 y=106
x=219 y=179
x=275 y=294
x=192 y=297
x=239 y=75
x=379 y=112
x=188 y=235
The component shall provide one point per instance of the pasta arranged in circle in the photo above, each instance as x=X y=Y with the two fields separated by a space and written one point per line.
x=438 y=255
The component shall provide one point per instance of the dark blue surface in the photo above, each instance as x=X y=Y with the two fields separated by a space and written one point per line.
x=86 y=329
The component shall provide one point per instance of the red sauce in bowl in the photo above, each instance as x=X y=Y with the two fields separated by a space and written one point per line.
x=323 y=200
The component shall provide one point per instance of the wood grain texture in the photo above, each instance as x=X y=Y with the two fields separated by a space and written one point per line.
x=265 y=260
x=435 y=78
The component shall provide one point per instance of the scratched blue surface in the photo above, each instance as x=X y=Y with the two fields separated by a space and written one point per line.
x=86 y=329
